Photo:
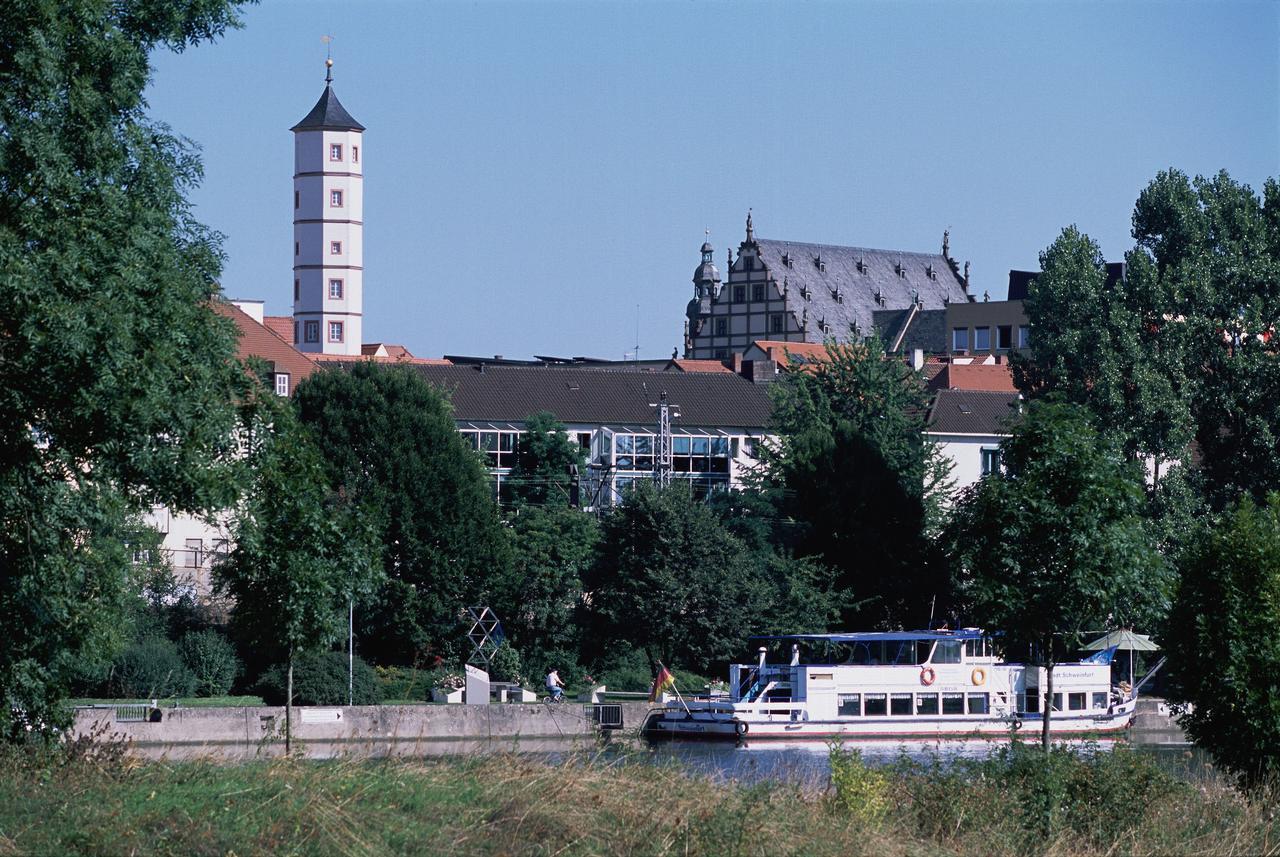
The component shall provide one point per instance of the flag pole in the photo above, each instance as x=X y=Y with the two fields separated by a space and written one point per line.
x=676 y=689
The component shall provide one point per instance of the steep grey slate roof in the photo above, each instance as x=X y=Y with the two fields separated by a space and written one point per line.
x=512 y=393
x=926 y=329
x=857 y=285
x=328 y=115
x=972 y=412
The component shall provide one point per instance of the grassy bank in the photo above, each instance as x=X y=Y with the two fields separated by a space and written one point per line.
x=100 y=802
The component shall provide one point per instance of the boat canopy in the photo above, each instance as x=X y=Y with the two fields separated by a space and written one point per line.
x=873 y=636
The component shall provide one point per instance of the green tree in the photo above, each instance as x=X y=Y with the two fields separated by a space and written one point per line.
x=118 y=376
x=1223 y=640
x=388 y=438
x=671 y=581
x=302 y=551
x=540 y=598
x=547 y=463
x=866 y=488
x=1054 y=546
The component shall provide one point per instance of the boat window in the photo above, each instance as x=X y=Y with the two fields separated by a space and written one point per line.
x=972 y=648
x=904 y=652
x=873 y=704
x=859 y=654
x=900 y=703
x=850 y=705
x=978 y=703
x=953 y=703
x=923 y=648
x=926 y=703
x=947 y=652
x=1057 y=702
x=1075 y=701
x=1032 y=701
x=1099 y=700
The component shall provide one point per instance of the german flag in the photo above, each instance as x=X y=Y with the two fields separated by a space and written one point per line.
x=664 y=680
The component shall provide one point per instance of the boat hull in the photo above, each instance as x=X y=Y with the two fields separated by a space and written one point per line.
x=708 y=724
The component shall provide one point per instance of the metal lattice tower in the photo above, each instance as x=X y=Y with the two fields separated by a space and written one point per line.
x=486 y=635
x=662 y=465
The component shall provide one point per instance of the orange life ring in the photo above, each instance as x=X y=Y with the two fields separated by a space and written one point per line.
x=928 y=676
x=979 y=675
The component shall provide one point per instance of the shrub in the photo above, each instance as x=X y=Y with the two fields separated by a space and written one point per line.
x=858 y=789
x=405 y=682
x=150 y=668
x=319 y=678
x=212 y=660
x=505 y=665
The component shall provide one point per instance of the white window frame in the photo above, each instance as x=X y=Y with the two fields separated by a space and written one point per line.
x=335 y=151
x=339 y=327
x=335 y=198
x=311 y=330
x=335 y=248
x=342 y=289
x=282 y=384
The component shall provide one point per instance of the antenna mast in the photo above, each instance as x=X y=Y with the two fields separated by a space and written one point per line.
x=662 y=460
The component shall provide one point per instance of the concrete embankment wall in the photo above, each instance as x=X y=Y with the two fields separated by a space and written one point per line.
x=370 y=730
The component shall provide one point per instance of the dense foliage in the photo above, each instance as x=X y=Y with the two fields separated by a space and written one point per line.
x=118 y=376
x=1055 y=545
x=1223 y=639
x=321 y=678
x=864 y=486
x=388 y=441
x=547 y=465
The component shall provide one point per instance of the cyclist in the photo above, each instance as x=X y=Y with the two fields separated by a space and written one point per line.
x=555 y=686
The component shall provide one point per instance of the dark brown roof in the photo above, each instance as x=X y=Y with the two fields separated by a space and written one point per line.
x=972 y=412
x=512 y=393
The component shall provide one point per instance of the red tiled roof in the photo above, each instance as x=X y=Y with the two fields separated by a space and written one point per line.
x=804 y=354
x=281 y=326
x=257 y=340
x=994 y=378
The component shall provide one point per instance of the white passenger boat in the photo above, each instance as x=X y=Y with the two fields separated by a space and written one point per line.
x=895 y=685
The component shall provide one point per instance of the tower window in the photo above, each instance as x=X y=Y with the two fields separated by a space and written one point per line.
x=757 y=292
x=295 y=248
x=739 y=294
x=297 y=289
x=335 y=289
x=296 y=338
x=335 y=199
x=312 y=329
x=335 y=151
x=775 y=323
x=282 y=383
x=355 y=154
x=297 y=198
x=335 y=248
x=335 y=331
x=722 y=326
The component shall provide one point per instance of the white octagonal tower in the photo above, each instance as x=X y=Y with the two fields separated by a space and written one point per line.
x=328 y=228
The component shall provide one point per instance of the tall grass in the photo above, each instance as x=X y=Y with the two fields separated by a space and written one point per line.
x=95 y=799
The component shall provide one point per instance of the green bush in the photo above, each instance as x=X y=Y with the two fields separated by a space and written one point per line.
x=150 y=668
x=320 y=678
x=212 y=660
x=858 y=789
x=505 y=665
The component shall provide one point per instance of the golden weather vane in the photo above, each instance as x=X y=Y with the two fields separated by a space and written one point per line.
x=328 y=58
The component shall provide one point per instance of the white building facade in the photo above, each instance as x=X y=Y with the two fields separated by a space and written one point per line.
x=328 y=229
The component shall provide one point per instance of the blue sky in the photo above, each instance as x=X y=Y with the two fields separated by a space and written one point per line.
x=538 y=176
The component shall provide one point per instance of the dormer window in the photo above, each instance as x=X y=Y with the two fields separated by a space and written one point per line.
x=786 y=259
x=861 y=265
x=335 y=151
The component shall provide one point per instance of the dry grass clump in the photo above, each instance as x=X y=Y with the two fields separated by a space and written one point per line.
x=609 y=805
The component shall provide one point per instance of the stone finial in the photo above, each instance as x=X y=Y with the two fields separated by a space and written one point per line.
x=966 y=275
x=751 y=232
x=946 y=243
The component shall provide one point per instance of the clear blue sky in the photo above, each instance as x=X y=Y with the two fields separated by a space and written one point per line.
x=534 y=172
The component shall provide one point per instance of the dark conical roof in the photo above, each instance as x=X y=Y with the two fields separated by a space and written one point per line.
x=328 y=115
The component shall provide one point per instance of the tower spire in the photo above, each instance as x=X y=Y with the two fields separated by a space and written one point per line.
x=328 y=59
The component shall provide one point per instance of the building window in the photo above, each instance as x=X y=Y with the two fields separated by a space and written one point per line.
x=192 y=558
x=295 y=248
x=982 y=339
x=775 y=323
x=335 y=331
x=1004 y=337
x=282 y=383
x=1024 y=336
x=990 y=461
x=749 y=263
x=297 y=289
x=312 y=329
x=335 y=248
x=757 y=292
x=722 y=326
x=296 y=337
x=721 y=354
x=296 y=199
x=739 y=294
x=335 y=289
x=335 y=151
x=960 y=339
x=355 y=154
x=335 y=199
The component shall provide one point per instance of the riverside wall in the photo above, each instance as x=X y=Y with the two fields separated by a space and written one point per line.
x=369 y=730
